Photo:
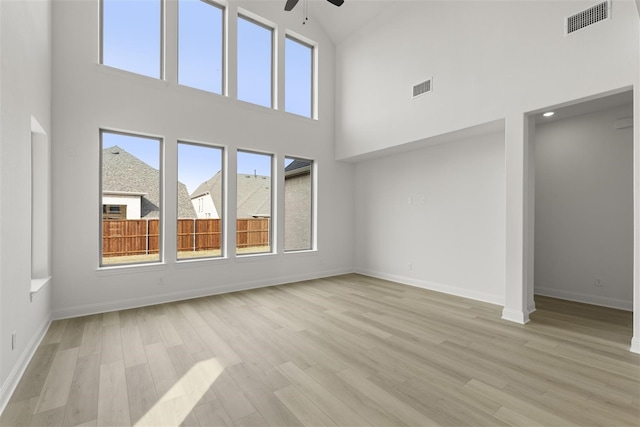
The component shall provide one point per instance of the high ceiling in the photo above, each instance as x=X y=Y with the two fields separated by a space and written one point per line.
x=340 y=22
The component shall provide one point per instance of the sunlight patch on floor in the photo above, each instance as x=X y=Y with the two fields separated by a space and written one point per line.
x=178 y=402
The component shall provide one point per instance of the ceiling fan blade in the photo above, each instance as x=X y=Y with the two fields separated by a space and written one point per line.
x=290 y=4
x=336 y=2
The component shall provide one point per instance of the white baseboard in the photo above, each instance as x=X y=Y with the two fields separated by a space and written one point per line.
x=515 y=316
x=9 y=386
x=585 y=298
x=433 y=286
x=85 y=310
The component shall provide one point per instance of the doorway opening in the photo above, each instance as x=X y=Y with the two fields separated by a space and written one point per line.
x=583 y=239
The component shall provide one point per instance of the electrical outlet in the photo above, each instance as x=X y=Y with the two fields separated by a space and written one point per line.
x=410 y=267
x=160 y=281
x=598 y=282
x=13 y=340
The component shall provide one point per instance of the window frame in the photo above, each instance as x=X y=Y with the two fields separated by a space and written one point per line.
x=272 y=195
x=223 y=200
x=224 y=56
x=161 y=200
x=312 y=206
x=289 y=35
x=273 y=28
x=162 y=47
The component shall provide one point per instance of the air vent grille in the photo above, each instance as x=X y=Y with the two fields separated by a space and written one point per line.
x=422 y=88
x=587 y=17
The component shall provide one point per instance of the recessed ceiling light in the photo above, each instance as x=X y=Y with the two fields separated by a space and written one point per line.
x=548 y=114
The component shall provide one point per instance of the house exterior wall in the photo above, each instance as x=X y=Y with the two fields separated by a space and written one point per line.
x=298 y=212
x=204 y=207
x=131 y=202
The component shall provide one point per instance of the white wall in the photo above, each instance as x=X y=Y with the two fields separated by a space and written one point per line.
x=88 y=96
x=25 y=88
x=584 y=209
x=488 y=59
x=434 y=217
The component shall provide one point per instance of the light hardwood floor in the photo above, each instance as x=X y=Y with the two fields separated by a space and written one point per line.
x=348 y=350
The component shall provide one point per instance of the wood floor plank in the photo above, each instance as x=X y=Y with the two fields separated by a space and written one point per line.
x=91 y=342
x=345 y=350
x=73 y=333
x=212 y=414
x=164 y=374
x=83 y=396
x=518 y=405
x=267 y=404
x=56 y=388
x=142 y=395
x=113 y=400
x=132 y=345
x=36 y=373
x=362 y=405
x=55 y=332
x=168 y=332
x=18 y=413
x=232 y=398
x=303 y=408
x=50 y=418
x=111 y=343
x=326 y=401
x=394 y=406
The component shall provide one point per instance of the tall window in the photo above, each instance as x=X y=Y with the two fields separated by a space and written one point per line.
x=131 y=199
x=132 y=36
x=200 y=45
x=298 y=74
x=255 y=62
x=298 y=204
x=200 y=202
x=254 y=193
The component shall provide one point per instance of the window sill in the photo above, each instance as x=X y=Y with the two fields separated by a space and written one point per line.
x=114 y=71
x=200 y=262
x=302 y=252
x=131 y=268
x=38 y=285
x=254 y=257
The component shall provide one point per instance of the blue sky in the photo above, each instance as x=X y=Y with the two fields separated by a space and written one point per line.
x=132 y=40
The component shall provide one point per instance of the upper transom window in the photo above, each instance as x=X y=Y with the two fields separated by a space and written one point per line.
x=255 y=62
x=200 y=45
x=132 y=36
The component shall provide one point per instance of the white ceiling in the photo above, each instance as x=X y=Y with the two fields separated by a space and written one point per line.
x=340 y=22
x=581 y=107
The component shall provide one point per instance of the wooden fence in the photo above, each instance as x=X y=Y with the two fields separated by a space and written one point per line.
x=141 y=236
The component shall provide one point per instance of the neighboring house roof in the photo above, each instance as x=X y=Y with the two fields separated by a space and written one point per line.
x=125 y=173
x=297 y=167
x=254 y=194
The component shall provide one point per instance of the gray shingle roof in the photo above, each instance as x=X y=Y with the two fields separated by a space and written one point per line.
x=123 y=172
x=254 y=194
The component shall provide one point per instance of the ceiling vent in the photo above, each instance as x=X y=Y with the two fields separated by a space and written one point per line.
x=587 y=17
x=422 y=88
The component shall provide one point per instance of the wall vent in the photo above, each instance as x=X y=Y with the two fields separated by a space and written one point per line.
x=422 y=88
x=587 y=17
